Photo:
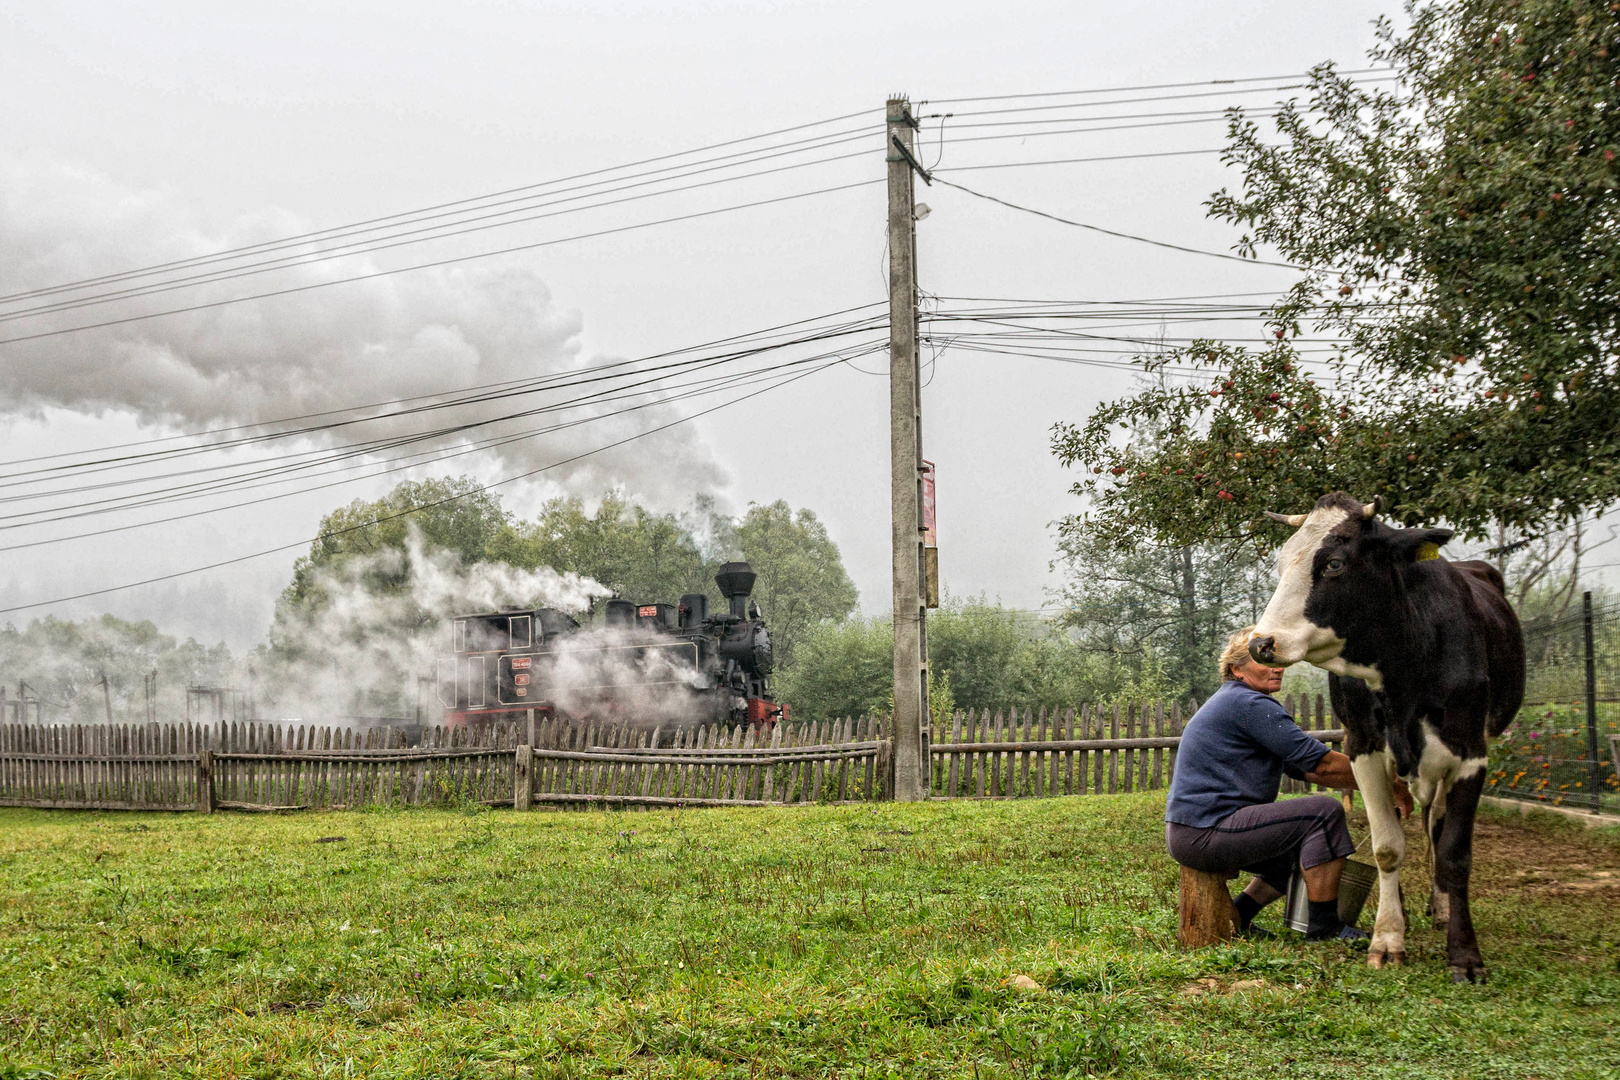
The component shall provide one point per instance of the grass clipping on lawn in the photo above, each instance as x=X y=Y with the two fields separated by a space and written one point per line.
x=1007 y=939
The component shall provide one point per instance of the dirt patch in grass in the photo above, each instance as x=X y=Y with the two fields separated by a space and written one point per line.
x=1525 y=856
x=1517 y=855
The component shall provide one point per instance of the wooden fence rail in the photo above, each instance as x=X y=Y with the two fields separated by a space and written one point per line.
x=290 y=766
x=262 y=766
x=1092 y=750
x=837 y=761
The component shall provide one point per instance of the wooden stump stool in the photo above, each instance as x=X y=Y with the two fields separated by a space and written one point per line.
x=1207 y=913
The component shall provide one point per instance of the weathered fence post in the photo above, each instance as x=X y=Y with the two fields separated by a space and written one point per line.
x=1207 y=912
x=205 y=782
x=522 y=777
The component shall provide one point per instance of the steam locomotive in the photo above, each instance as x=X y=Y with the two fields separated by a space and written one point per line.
x=648 y=663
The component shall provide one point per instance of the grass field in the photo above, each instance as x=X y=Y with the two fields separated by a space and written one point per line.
x=818 y=942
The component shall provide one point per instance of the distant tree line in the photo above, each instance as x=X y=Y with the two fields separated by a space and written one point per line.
x=84 y=671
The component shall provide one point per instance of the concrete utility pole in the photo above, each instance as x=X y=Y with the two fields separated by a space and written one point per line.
x=905 y=457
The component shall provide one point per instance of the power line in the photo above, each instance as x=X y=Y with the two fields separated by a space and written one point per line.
x=440 y=262
x=561 y=380
x=463 y=227
x=317 y=234
x=762 y=334
x=189 y=490
x=506 y=218
x=1132 y=89
x=414 y=460
x=1225 y=90
x=404 y=513
x=1073 y=161
x=1112 y=232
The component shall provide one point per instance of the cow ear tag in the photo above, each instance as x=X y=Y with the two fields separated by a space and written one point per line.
x=1428 y=550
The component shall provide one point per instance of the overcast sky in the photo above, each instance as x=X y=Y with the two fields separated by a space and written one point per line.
x=139 y=133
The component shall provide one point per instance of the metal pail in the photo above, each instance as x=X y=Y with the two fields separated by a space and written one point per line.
x=1355 y=884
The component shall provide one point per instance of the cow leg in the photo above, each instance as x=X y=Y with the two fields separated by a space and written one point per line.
x=1434 y=819
x=1375 y=775
x=1453 y=862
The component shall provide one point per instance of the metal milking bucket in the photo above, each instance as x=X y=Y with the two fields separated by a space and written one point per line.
x=1355 y=884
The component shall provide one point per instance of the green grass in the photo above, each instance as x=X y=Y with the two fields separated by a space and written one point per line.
x=818 y=942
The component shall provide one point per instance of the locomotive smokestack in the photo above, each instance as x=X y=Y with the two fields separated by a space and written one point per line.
x=736 y=581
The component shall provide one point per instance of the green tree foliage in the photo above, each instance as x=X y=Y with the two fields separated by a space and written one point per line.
x=643 y=555
x=1460 y=234
x=1176 y=604
x=841 y=669
x=981 y=656
x=453 y=515
x=64 y=662
x=802 y=581
x=646 y=557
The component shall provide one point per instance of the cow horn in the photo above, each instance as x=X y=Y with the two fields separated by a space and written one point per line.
x=1295 y=520
x=1369 y=509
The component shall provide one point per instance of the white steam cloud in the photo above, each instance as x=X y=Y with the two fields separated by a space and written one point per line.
x=361 y=651
x=415 y=333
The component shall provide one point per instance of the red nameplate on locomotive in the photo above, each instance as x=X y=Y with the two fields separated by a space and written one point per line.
x=649 y=611
x=520 y=663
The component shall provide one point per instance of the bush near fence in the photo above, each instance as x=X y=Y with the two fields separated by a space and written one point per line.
x=1543 y=757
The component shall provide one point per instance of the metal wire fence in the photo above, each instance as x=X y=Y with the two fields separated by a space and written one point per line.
x=1558 y=751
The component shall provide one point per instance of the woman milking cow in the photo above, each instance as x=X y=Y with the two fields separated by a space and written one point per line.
x=1223 y=814
x=1425 y=662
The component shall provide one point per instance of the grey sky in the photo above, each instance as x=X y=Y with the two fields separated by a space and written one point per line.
x=140 y=131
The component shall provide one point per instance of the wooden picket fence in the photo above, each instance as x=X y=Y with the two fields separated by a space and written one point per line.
x=1092 y=750
x=1004 y=754
x=584 y=765
x=268 y=766
x=248 y=766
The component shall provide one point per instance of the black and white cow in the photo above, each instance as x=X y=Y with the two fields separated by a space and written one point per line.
x=1425 y=661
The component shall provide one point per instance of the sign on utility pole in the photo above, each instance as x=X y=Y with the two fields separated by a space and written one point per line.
x=906 y=464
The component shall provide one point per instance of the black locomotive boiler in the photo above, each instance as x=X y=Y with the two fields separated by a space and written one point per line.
x=652 y=664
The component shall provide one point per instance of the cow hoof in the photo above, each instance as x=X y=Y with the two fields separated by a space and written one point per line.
x=1468 y=973
x=1379 y=958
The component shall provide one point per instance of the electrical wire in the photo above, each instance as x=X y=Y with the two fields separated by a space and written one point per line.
x=462 y=227
x=1112 y=232
x=440 y=262
x=762 y=334
x=414 y=460
x=413 y=510
x=1149 y=86
x=1078 y=160
x=527 y=193
x=326 y=233
x=560 y=380
x=613 y=393
x=505 y=218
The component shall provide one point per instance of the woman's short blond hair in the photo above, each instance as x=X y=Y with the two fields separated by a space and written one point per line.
x=1236 y=654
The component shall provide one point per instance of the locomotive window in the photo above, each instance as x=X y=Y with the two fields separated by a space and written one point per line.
x=447 y=683
x=476 y=690
x=458 y=635
x=521 y=631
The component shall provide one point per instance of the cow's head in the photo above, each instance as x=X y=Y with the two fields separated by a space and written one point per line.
x=1335 y=581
